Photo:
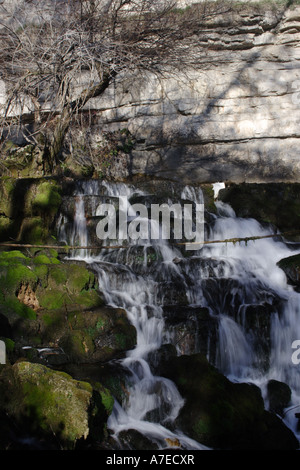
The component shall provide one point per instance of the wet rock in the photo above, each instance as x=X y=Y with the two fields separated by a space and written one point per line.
x=191 y=329
x=132 y=439
x=51 y=356
x=279 y=396
x=291 y=267
x=203 y=268
x=172 y=293
x=161 y=355
x=277 y=204
x=28 y=207
x=97 y=336
x=222 y=414
x=256 y=320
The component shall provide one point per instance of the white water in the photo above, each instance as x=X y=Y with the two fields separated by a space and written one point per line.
x=254 y=265
x=154 y=402
x=138 y=296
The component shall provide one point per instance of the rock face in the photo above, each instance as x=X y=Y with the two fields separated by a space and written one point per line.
x=54 y=312
x=217 y=411
x=234 y=118
x=291 y=267
x=274 y=203
x=50 y=403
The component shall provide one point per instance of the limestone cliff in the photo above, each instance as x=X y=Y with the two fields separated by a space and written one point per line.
x=233 y=118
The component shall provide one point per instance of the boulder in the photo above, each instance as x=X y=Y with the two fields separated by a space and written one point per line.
x=191 y=329
x=279 y=396
x=55 y=306
x=222 y=414
x=51 y=407
x=291 y=267
x=272 y=203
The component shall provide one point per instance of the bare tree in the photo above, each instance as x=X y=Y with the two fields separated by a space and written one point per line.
x=57 y=55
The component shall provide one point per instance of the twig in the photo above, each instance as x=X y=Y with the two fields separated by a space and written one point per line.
x=107 y=247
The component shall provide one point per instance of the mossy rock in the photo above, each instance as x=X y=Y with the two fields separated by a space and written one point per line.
x=20 y=160
x=5 y=225
x=33 y=231
x=11 y=257
x=222 y=414
x=44 y=259
x=99 y=335
x=47 y=301
x=209 y=198
x=67 y=285
x=28 y=207
x=47 y=198
x=38 y=292
x=14 y=273
x=273 y=203
x=7 y=188
x=51 y=404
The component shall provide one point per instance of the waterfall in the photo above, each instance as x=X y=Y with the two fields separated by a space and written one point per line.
x=258 y=281
x=236 y=282
x=139 y=295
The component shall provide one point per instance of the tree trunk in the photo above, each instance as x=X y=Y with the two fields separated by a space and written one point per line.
x=54 y=147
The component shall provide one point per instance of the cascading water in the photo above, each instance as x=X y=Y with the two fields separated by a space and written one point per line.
x=230 y=280
x=253 y=279
x=138 y=295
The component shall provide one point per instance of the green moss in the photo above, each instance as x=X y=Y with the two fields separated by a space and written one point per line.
x=5 y=226
x=41 y=259
x=9 y=344
x=79 y=344
x=89 y=298
x=58 y=274
x=52 y=402
x=44 y=259
x=79 y=278
x=101 y=324
x=34 y=230
x=209 y=198
x=202 y=426
x=106 y=397
x=53 y=253
x=121 y=340
x=50 y=319
x=16 y=275
x=14 y=254
x=47 y=198
x=7 y=186
x=8 y=255
x=12 y=305
x=52 y=300
x=41 y=272
x=116 y=385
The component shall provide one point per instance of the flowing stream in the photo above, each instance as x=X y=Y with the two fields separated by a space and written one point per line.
x=238 y=283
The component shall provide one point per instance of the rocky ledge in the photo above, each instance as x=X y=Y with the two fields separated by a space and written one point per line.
x=236 y=117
